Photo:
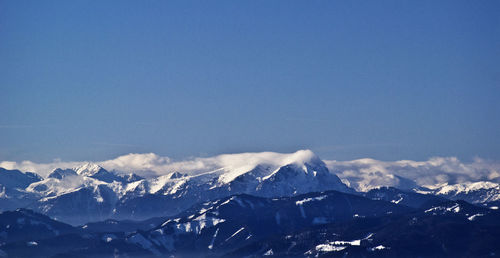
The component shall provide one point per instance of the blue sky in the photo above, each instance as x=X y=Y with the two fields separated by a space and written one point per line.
x=90 y=80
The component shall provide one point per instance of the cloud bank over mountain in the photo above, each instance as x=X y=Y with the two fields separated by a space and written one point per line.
x=152 y=164
x=361 y=174
x=365 y=174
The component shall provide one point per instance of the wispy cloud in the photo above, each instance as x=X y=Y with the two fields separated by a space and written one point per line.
x=145 y=163
x=22 y=126
x=364 y=174
x=361 y=174
x=14 y=126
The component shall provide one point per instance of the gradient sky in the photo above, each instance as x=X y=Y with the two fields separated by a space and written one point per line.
x=90 y=80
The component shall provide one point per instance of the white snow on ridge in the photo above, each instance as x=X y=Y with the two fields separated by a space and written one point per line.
x=87 y=169
x=329 y=248
x=361 y=174
x=455 y=209
x=319 y=198
x=397 y=201
x=366 y=174
x=475 y=192
x=379 y=247
x=196 y=175
x=108 y=238
x=473 y=217
x=235 y=233
x=213 y=239
x=339 y=245
x=196 y=225
x=54 y=187
x=238 y=164
x=465 y=187
x=32 y=243
x=269 y=252
x=353 y=242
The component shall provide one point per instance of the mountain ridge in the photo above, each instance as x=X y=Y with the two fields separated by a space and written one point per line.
x=91 y=193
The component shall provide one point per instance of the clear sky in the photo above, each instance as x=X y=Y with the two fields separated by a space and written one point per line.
x=90 y=80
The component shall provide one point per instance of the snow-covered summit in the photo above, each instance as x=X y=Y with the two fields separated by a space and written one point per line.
x=92 y=192
x=474 y=192
x=466 y=187
x=88 y=169
x=234 y=165
x=175 y=185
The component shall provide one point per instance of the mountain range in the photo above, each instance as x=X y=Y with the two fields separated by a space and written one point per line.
x=295 y=207
x=91 y=193
x=329 y=223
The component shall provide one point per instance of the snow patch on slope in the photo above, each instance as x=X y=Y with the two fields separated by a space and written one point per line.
x=319 y=198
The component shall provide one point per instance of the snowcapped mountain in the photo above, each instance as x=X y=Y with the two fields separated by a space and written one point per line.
x=476 y=192
x=180 y=191
x=249 y=204
x=88 y=169
x=78 y=195
x=91 y=193
x=97 y=172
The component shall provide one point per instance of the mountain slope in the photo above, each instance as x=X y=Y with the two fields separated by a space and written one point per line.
x=226 y=224
x=453 y=231
x=324 y=224
x=12 y=185
x=408 y=198
x=26 y=225
x=24 y=233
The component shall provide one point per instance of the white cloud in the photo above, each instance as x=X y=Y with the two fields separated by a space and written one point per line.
x=144 y=164
x=365 y=174
x=136 y=162
x=149 y=163
x=361 y=174
x=42 y=169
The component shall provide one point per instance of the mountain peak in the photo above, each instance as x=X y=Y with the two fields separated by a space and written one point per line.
x=234 y=165
x=61 y=173
x=302 y=157
x=88 y=169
